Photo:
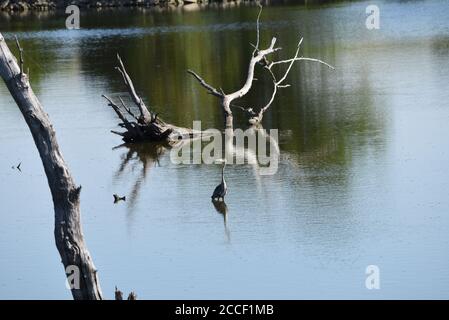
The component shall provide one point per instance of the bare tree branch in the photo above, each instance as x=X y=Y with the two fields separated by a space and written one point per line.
x=277 y=84
x=256 y=47
x=133 y=128
x=208 y=87
x=258 y=56
x=128 y=109
x=250 y=76
x=303 y=59
x=145 y=114
x=116 y=109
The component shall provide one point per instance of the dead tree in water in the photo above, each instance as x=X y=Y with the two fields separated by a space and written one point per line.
x=146 y=126
x=256 y=118
x=258 y=57
x=65 y=193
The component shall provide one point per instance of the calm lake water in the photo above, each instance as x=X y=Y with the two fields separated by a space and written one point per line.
x=363 y=177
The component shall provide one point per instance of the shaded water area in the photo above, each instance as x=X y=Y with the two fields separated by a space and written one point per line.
x=362 y=178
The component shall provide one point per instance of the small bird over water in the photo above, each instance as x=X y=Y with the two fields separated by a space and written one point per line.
x=221 y=190
x=118 y=198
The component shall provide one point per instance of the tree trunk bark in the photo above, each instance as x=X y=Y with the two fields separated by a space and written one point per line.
x=65 y=194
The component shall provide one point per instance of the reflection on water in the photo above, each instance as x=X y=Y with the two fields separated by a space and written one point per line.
x=222 y=209
x=141 y=158
x=362 y=177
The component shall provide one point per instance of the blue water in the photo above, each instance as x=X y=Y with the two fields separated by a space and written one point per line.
x=363 y=176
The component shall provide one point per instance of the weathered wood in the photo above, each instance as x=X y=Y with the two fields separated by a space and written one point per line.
x=254 y=118
x=149 y=127
x=65 y=193
x=226 y=100
x=258 y=57
x=145 y=114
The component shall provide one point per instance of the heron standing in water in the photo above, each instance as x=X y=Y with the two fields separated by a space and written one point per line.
x=221 y=190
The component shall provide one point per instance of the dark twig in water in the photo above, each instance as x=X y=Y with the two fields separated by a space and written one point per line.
x=258 y=57
x=132 y=296
x=118 y=294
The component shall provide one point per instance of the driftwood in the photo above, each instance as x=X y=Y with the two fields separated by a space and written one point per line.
x=147 y=126
x=258 y=57
x=65 y=193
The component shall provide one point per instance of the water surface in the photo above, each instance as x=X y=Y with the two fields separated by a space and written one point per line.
x=362 y=180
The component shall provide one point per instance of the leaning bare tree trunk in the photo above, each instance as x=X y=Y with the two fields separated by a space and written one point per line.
x=66 y=195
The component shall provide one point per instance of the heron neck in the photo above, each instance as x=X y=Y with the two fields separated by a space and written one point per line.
x=222 y=173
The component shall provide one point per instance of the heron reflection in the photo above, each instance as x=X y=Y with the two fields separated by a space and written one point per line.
x=222 y=208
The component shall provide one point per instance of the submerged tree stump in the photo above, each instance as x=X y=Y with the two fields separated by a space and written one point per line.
x=146 y=126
